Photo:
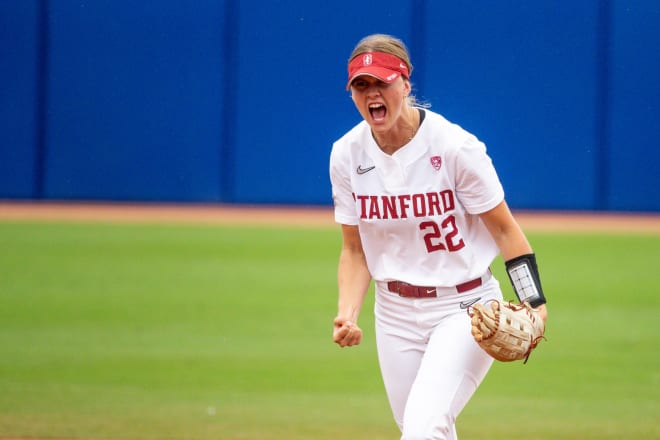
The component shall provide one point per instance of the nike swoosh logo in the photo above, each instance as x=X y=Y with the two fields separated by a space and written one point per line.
x=361 y=170
x=466 y=304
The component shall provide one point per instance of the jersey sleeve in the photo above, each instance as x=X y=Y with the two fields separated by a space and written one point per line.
x=342 y=192
x=478 y=186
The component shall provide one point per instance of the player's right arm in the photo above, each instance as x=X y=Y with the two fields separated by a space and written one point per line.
x=353 y=282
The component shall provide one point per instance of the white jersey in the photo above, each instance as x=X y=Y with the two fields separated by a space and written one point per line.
x=417 y=209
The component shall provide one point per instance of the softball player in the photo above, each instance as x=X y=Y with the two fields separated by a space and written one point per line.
x=423 y=214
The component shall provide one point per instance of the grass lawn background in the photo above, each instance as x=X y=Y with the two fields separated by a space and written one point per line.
x=154 y=331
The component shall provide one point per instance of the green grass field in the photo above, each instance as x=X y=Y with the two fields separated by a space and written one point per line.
x=120 y=331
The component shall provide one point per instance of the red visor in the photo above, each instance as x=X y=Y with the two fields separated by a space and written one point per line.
x=381 y=65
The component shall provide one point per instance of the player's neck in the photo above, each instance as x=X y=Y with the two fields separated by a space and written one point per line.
x=400 y=134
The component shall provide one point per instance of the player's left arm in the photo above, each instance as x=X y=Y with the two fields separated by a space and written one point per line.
x=518 y=256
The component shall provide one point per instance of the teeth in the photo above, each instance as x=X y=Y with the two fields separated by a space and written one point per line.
x=376 y=105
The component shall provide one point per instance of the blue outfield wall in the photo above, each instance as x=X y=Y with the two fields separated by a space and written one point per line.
x=18 y=98
x=632 y=167
x=239 y=101
x=134 y=107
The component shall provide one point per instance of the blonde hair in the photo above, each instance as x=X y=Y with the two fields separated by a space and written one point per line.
x=393 y=46
x=386 y=44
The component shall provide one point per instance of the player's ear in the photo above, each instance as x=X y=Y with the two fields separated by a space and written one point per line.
x=407 y=87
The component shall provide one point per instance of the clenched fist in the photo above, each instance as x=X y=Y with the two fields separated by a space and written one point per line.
x=346 y=333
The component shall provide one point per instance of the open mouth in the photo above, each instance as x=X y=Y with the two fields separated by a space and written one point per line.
x=377 y=111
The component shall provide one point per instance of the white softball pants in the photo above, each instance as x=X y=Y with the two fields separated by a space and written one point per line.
x=430 y=363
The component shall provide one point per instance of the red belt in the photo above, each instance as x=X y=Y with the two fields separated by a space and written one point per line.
x=409 y=291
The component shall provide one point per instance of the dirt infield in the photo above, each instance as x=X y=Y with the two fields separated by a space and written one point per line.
x=294 y=216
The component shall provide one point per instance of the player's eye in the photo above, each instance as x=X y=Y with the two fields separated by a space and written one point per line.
x=360 y=84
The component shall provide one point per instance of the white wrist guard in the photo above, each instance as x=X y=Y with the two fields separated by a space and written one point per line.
x=524 y=275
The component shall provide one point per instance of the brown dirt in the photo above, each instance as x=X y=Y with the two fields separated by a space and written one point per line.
x=313 y=216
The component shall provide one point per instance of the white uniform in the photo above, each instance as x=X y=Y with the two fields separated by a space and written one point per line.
x=417 y=213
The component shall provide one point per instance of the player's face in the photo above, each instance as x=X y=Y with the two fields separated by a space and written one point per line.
x=379 y=103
